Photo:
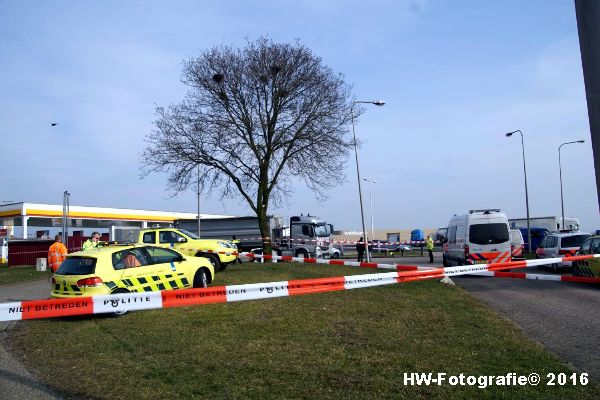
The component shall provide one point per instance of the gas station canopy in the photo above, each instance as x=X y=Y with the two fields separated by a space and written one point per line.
x=49 y=215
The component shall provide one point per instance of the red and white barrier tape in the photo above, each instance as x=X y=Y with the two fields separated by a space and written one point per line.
x=304 y=240
x=510 y=264
x=31 y=309
x=539 y=277
x=307 y=260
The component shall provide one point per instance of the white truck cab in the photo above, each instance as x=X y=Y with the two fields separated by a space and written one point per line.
x=479 y=237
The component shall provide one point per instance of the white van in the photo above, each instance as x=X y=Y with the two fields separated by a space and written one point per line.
x=479 y=237
x=517 y=244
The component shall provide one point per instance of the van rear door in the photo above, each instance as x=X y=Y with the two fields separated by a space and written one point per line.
x=489 y=240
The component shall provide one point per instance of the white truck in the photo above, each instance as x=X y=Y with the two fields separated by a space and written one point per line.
x=553 y=224
x=304 y=236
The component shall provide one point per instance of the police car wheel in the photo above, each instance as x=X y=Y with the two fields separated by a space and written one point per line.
x=200 y=279
x=214 y=260
x=119 y=313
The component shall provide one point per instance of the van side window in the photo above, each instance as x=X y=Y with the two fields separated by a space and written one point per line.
x=543 y=243
x=461 y=231
x=452 y=234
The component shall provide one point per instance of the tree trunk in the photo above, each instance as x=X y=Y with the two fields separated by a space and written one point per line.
x=263 y=224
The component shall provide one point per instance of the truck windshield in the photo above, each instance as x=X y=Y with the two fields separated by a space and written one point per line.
x=321 y=230
x=189 y=234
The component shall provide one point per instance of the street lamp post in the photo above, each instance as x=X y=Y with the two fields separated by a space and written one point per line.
x=562 y=204
x=371 y=201
x=509 y=134
x=362 y=213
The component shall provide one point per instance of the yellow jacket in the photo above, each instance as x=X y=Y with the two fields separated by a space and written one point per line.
x=429 y=243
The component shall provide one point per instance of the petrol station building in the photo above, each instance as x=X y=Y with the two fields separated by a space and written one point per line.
x=30 y=216
x=35 y=221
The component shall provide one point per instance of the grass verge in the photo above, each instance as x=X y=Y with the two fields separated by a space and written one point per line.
x=346 y=345
x=20 y=274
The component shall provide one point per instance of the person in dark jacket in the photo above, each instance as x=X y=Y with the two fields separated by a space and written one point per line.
x=360 y=249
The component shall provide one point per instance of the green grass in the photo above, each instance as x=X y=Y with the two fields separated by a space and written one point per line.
x=343 y=345
x=20 y=274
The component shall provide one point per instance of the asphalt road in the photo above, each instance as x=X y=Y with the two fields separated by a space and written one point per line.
x=563 y=316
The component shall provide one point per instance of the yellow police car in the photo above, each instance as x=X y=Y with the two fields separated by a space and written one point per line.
x=588 y=268
x=219 y=252
x=125 y=269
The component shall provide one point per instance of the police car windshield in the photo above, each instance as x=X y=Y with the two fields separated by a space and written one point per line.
x=488 y=233
x=190 y=234
x=321 y=230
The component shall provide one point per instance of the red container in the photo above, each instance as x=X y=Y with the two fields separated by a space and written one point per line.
x=24 y=252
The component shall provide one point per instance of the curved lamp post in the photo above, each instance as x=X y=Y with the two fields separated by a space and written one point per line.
x=562 y=204
x=362 y=214
x=509 y=134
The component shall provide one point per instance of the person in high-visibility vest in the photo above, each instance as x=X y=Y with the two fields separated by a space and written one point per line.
x=56 y=253
x=92 y=242
x=429 y=242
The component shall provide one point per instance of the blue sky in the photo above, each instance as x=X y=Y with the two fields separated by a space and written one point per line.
x=456 y=75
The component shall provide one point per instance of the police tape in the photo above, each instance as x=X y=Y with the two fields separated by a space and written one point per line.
x=310 y=260
x=348 y=242
x=118 y=303
x=398 y=267
x=377 y=247
x=539 y=277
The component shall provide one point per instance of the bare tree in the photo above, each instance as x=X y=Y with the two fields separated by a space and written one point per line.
x=255 y=120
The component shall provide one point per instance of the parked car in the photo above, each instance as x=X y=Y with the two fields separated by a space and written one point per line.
x=588 y=268
x=333 y=252
x=399 y=248
x=128 y=269
x=561 y=244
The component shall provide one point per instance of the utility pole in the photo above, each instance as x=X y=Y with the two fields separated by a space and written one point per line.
x=65 y=218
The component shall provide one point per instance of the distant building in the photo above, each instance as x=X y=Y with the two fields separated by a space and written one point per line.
x=402 y=235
